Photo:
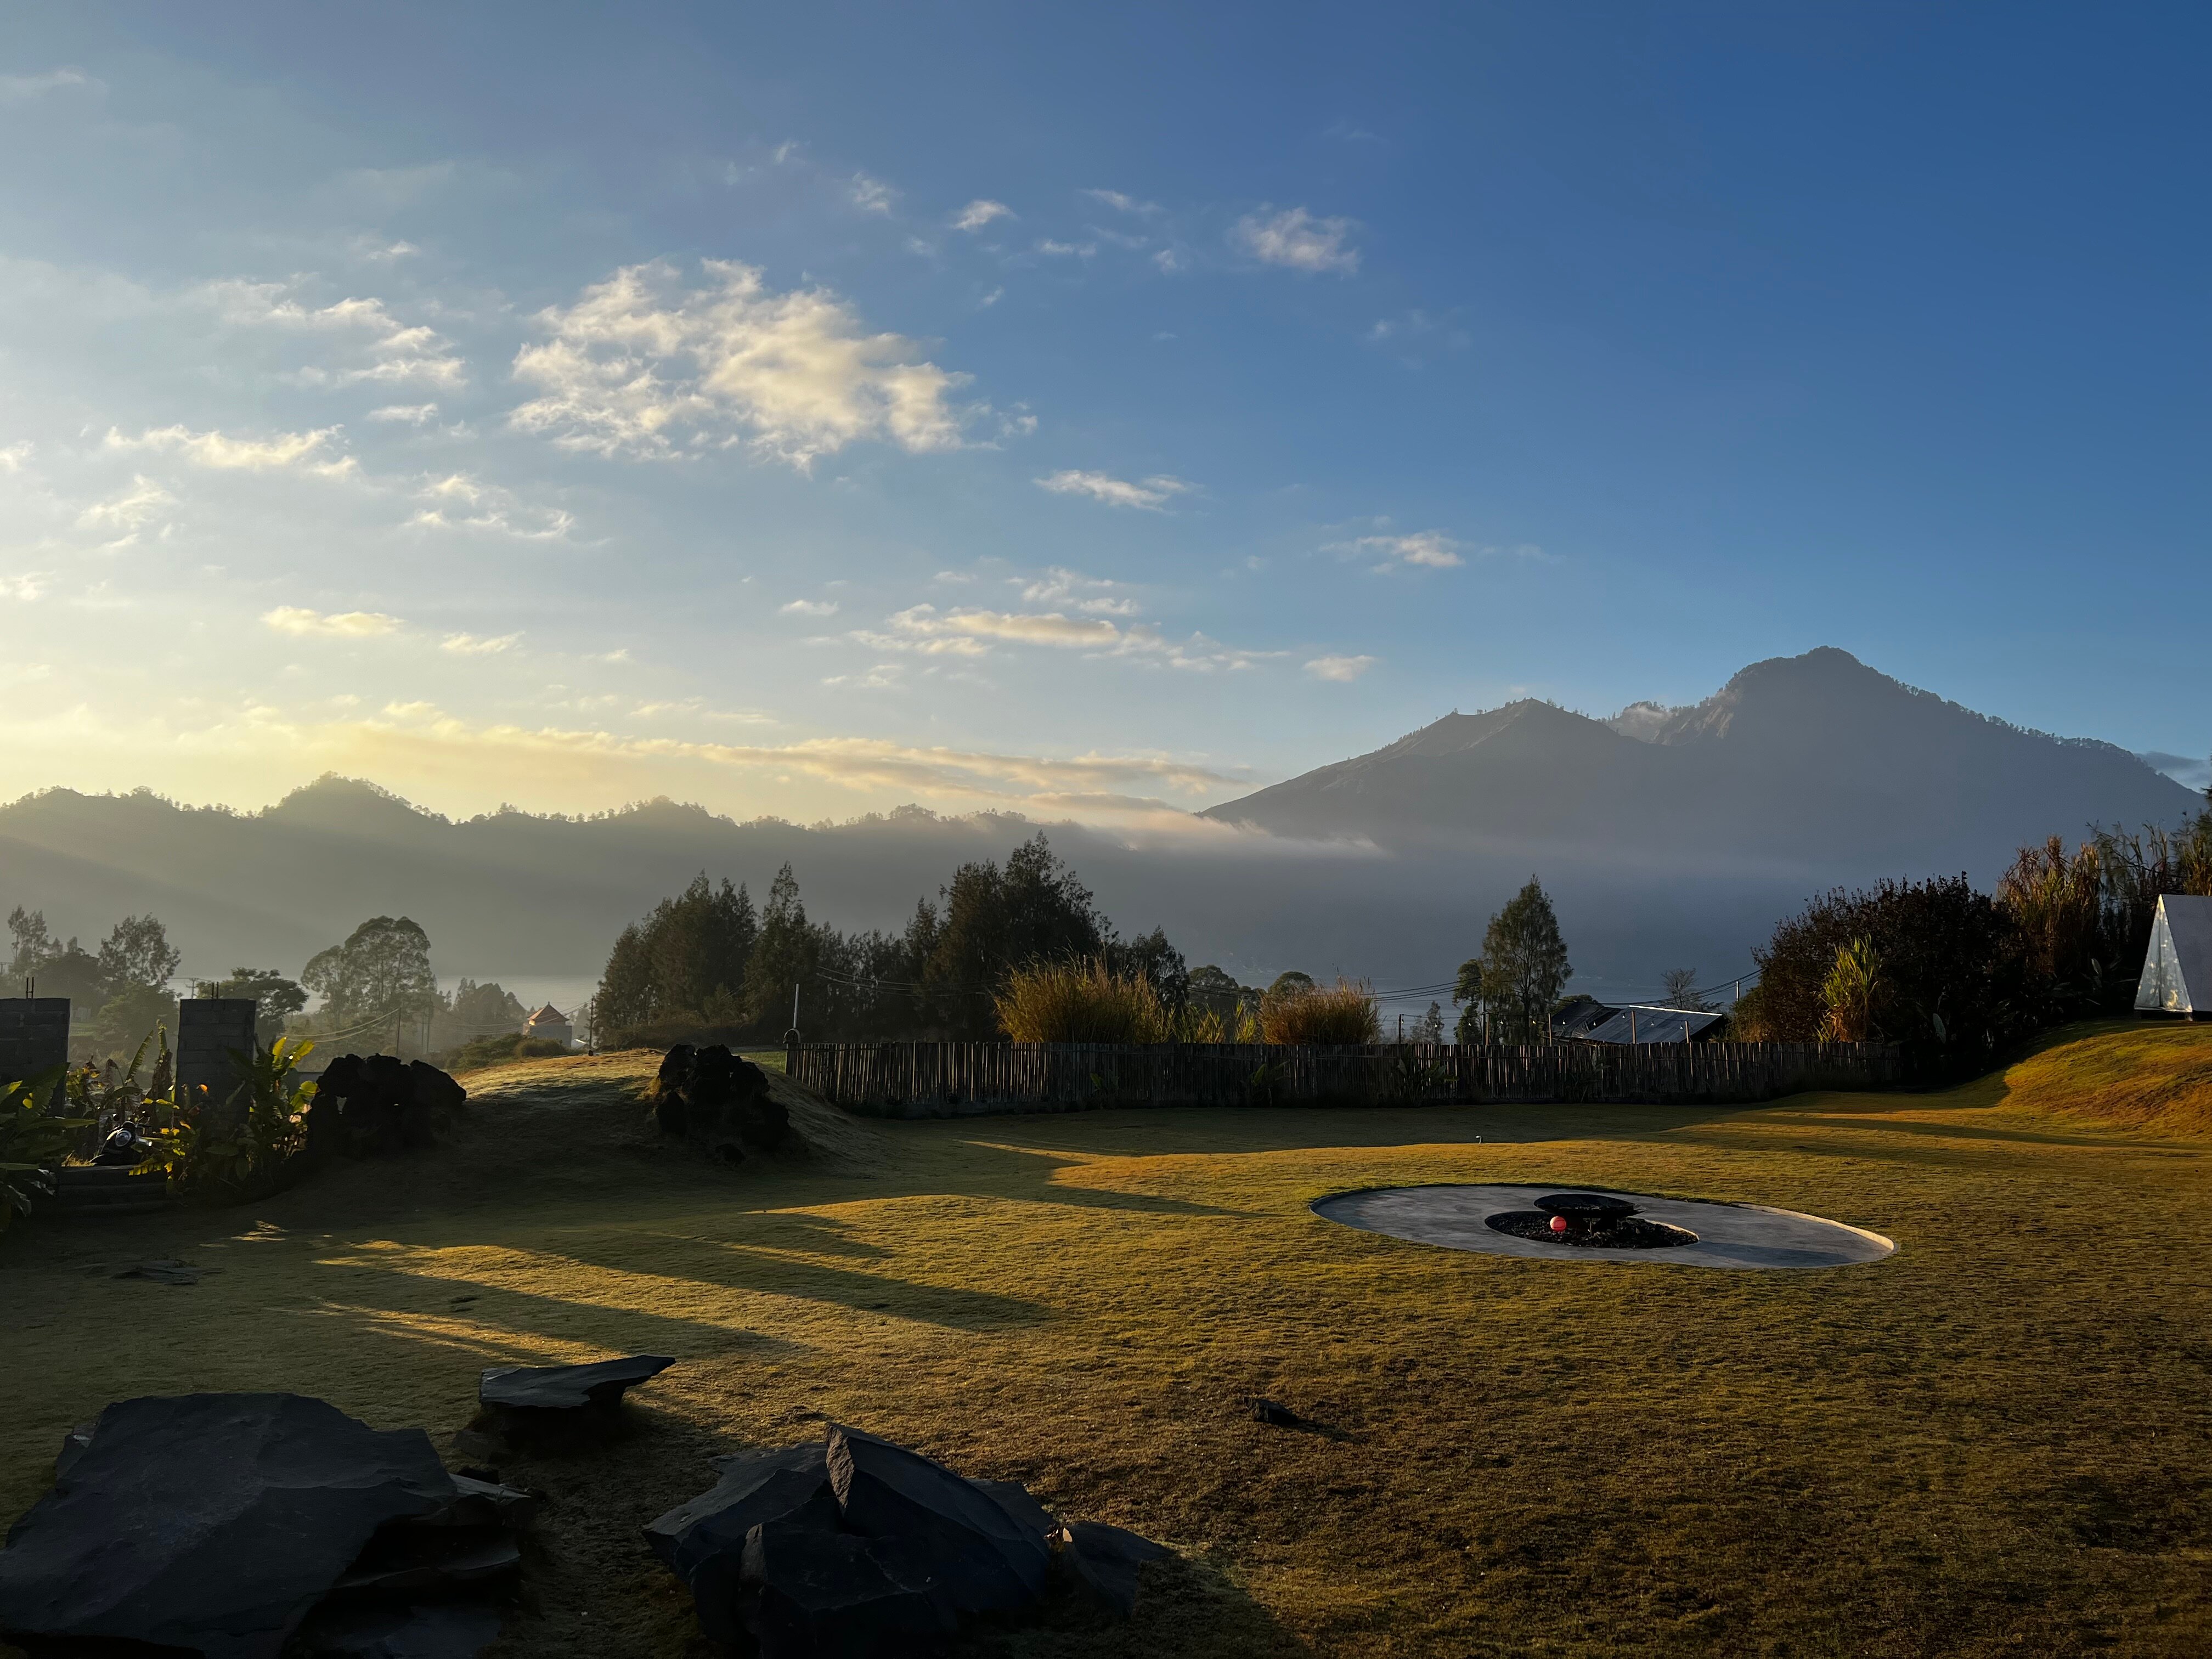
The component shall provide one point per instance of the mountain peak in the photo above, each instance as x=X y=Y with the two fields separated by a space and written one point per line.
x=353 y=805
x=1815 y=760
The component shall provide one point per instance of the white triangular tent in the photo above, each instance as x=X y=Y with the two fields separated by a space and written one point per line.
x=2177 y=976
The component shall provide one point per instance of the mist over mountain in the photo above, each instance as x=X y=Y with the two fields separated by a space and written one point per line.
x=1667 y=837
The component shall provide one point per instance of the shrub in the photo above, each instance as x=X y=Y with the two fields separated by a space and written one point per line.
x=1236 y=1024
x=1341 y=1014
x=1951 y=977
x=1080 y=1002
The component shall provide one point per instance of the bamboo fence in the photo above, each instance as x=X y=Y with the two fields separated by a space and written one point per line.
x=956 y=1079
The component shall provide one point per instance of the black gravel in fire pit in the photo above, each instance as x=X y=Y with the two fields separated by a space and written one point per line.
x=1594 y=1222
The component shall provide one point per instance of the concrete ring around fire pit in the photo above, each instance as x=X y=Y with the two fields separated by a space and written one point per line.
x=1744 y=1236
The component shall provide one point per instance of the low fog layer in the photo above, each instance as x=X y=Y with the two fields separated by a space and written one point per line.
x=1677 y=839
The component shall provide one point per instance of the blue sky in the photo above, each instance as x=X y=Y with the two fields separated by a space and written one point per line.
x=812 y=409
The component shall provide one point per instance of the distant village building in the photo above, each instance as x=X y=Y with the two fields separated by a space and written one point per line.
x=550 y=1024
x=2177 y=975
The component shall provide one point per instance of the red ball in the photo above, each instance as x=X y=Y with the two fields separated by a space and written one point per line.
x=1558 y=1224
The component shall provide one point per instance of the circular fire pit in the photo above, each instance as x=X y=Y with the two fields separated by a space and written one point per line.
x=1488 y=1219
x=1589 y=1221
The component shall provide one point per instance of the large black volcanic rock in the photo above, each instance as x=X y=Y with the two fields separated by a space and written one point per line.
x=858 y=1546
x=717 y=1100
x=975 y=1556
x=368 y=1105
x=209 y=1523
x=704 y=1542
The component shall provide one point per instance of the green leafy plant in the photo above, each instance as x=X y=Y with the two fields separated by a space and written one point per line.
x=32 y=1140
x=239 y=1144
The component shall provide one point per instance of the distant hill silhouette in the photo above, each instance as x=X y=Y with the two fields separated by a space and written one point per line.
x=1809 y=762
x=1667 y=837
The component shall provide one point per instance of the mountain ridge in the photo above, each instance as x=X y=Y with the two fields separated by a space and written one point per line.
x=1817 y=758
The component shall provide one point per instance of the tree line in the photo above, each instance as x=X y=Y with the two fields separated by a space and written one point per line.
x=1938 y=966
x=376 y=986
x=706 y=958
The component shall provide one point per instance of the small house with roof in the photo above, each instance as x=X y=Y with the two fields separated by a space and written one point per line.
x=550 y=1024
x=2177 y=974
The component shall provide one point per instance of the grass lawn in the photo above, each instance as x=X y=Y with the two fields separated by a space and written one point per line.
x=1999 y=1440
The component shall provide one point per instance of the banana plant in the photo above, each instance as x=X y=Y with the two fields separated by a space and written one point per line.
x=244 y=1138
x=32 y=1140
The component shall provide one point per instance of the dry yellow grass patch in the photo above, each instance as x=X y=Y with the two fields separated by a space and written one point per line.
x=1996 y=1441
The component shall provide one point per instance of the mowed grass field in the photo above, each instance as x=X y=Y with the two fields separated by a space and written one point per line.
x=1998 y=1441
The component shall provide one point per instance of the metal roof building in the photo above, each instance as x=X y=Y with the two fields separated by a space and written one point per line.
x=1641 y=1024
x=2177 y=975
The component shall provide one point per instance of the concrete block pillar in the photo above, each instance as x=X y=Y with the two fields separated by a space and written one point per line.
x=208 y=1029
x=33 y=1034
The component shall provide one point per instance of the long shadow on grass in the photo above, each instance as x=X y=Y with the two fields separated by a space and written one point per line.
x=679 y=1270
x=1186 y=1609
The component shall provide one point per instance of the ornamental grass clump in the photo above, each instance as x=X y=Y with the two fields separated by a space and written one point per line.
x=1344 y=1012
x=1080 y=1002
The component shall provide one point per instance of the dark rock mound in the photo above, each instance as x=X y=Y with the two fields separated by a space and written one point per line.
x=369 y=1106
x=718 y=1100
x=215 y=1524
x=858 y=1546
x=1586 y=1206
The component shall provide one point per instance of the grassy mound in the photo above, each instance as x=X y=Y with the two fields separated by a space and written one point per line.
x=2153 y=1076
x=1992 y=1443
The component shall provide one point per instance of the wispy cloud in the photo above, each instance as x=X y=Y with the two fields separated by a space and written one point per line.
x=810 y=608
x=406 y=414
x=871 y=195
x=30 y=586
x=12 y=457
x=1067 y=250
x=395 y=352
x=980 y=213
x=1344 y=670
x=461 y=501
x=1097 y=596
x=1295 y=238
x=131 y=510
x=1429 y=548
x=220 y=451
x=971 y=633
x=343 y=624
x=1121 y=204
x=1152 y=494
x=640 y=367
x=21 y=88
x=477 y=645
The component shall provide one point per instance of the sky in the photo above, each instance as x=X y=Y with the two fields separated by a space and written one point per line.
x=1093 y=412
